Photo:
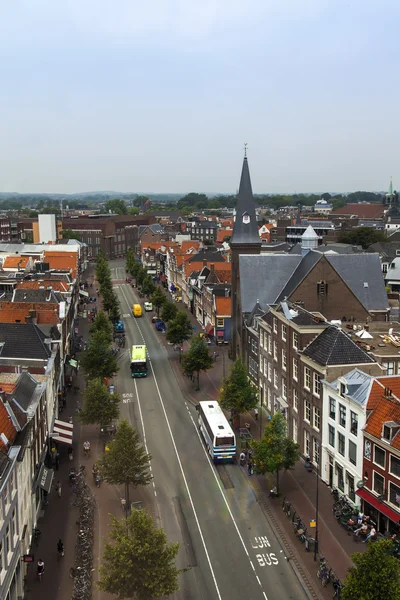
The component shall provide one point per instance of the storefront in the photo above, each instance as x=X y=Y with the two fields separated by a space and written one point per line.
x=386 y=518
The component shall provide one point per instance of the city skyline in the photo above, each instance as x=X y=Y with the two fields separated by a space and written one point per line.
x=163 y=97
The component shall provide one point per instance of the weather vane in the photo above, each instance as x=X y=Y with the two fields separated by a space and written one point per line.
x=245 y=149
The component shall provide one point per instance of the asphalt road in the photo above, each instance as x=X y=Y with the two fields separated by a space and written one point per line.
x=212 y=511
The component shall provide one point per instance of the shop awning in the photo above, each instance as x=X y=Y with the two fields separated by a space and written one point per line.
x=220 y=333
x=381 y=506
x=83 y=293
x=151 y=272
x=62 y=432
x=45 y=478
x=209 y=329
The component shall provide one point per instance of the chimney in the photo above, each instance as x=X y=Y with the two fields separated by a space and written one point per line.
x=212 y=266
x=204 y=262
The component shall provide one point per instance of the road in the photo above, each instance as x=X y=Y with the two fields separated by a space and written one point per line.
x=211 y=511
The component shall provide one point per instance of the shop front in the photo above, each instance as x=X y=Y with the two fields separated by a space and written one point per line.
x=386 y=518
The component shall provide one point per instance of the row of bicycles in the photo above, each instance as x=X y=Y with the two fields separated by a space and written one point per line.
x=324 y=573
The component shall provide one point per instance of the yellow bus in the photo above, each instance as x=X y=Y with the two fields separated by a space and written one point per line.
x=138 y=361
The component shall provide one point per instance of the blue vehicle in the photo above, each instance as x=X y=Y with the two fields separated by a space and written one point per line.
x=119 y=326
x=161 y=326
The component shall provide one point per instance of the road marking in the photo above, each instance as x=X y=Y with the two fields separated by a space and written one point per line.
x=143 y=430
x=126 y=315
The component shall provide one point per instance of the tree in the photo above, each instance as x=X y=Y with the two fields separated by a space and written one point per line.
x=179 y=328
x=362 y=236
x=68 y=234
x=97 y=361
x=117 y=206
x=126 y=461
x=376 y=574
x=130 y=260
x=111 y=304
x=148 y=286
x=139 y=200
x=197 y=358
x=275 y=451
x=141 y=275
x=139 y=562
x=100 y=407
x=102 y=323
x=158 y=299
x=238 y=394
x=169 y=311
x=133 y=211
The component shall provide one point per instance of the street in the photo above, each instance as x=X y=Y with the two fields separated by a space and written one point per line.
x=211 y=511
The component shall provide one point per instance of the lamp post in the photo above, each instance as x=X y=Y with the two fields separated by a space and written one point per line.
x=316 y=507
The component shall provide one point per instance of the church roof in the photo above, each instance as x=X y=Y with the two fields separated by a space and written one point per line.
x=245 y=228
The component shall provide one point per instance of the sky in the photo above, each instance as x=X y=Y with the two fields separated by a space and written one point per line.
x=161 y=95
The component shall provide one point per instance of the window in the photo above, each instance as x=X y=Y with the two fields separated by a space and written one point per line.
x=5 y=495
x=269 y=345
x=331 y=436
x=307 y=410
x=254 y=346
x=284 y=331
x=340 y=479
x=295 y=400
x=306 y=443
x=350 y=483
x=275 y=351
x=1 y=557
x=284 y=389
x=332 y=408
x=13 y=526
x=253 y=368
x=379 y=456
x=394 y=494
x=269 y=372
x=379 y=484
x=316 y=451
x=269 y=404
x=220 y=322
x=307 y=378
x=317 y=384
x=275 y=379
x=261 y=338
x=387 y=434
x=395 y=466
x=275 y=325
x=317 y=417
x=295 y=369
x=341 y=444
x=352 y=453
x=390 y=367
x=342 y=415
x=7 y=538
x=284 y=360
x=353 y=422
x=295 y=429
x=261 y=364
x=295 y=340
x=322 y=288
x=265 y=367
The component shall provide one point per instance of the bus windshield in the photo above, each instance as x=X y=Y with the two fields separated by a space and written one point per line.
x=225 y=441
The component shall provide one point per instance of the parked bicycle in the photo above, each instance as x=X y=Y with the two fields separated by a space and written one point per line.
x=323 y=572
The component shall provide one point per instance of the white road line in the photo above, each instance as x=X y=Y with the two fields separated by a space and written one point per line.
x=144 y=431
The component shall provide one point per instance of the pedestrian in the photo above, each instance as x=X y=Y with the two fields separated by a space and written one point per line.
x=242 y=458
x=256 y=414
x=58 y=488
x=60 y=548
x=250 y=467
x=70 y=452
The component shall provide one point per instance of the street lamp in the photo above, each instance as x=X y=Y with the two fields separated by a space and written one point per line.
x=316 y=508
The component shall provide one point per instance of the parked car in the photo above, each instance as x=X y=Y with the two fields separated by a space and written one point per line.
x=160 y=326
x=154 y=318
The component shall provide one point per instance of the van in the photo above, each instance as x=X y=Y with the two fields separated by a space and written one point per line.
x=148 y=306
x=137 y=310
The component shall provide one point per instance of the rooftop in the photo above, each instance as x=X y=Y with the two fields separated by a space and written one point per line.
x=33 y=346
x=334 y=347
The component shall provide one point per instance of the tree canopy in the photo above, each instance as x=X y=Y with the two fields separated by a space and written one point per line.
x=138 y=561
x=169 y=311
x=362 y=236
x=102 y=323
x=158 y=299
x=197 y=358
x=97 y=361
x=179 y=328
x=148 y=286
x=99 y=407
x=238 y=394
x=68 y=234
x=117 y=206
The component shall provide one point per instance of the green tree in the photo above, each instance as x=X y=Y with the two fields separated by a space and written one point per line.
x=133 y=211
x=68 y=234
x=158 y=299
x=362 y=236
x=169 y=311
x=197 y=358
x=179 y=328
x=139 y=562
x=100 y=407
x=148 y=286
x=130 y=260
x=141 y=275
x=375 y=576
x=138 y=201
x=275 y=451
x=102 y=323
x=97 y=361
x=126 y=461
x=111 y=304
x=238 y=394
x=103 y=271
x=136 y=268
x=117 y=207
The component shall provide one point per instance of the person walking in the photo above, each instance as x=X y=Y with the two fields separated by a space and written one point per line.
x=256 y=414
x=60 y=549
x=250 y=467
x=58 y=488
x=40 y=569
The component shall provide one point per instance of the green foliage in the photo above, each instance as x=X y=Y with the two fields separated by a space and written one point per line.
x=103 y=271
x=100 y=407
x=138 y=201
x=193 y=200
x=98 y=362
x=140 y=275
x=375 y=576
x=68 y=234
x=238 y=394
x=117 y=206
x=362 y=236
x=275 y=451
x=169 y=311
x=130 y=260
x=139 y=562
x=158 y=299
x=197 y=358
x=102 y=323
x=125 y=461
x=133 y=211
x=179 y=328
x=148 y=286
x=136 y=268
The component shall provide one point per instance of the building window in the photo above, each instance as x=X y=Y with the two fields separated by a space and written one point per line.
x=253 y=368
x=269 y=345
x=7 y=538
x=265 y=367
x=269 y=372
x=306 y=443
x=284 y=331
x=254 y=346
x=341 y=444
x=394 y=494
x=395 y=466
x=261 y=364
x=269 y=404
x=284 y=389
x=295 y=429
x=379 y=456
x=332 y=408
x=317 y=417
x=5 y=495
x=261 y=338
x=295 y=369
x=284 y=361
x=13 y=526
x=353 y=422
x=317 y=384
x=340 y=479
x=316 y=451
x=295 y=340
x=390 y=367
x=331 y=436
x=379 y=484
x=307 y=411
x=220 y=322
x=322 y=288
x=387 y=433
x=275 y=325
x=307 y=378
x=275 y=379
x=352 y=453
x=295 y=400
x=342 y=415
x=1 y=557
x=350 y=483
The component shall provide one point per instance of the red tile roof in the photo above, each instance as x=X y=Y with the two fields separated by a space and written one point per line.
x=62 y=261
x=12 y=262
x=222 y=233
x=55 y=284
x=223 y=306
x=384 y=407
x=363 y=211
x=6 y=426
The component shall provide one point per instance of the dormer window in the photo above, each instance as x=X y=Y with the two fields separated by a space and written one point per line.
x=387 y=433
x=389 y=430
x=342 y=389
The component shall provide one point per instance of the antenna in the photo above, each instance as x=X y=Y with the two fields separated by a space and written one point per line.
x=245 y=149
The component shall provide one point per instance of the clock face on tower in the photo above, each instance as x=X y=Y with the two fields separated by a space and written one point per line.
x=246 y=219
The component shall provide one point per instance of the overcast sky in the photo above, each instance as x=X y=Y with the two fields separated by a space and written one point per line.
x=160 y=95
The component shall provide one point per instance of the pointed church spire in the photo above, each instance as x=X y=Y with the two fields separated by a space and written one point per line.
x=245 y=228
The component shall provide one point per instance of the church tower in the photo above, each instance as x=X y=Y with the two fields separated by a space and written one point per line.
x=245 y=240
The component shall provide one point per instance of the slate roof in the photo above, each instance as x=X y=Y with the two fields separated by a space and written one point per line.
x=24 y=341
x=300 y=316
x=334 y=347
x=32 y=295
x=245 y=233
x=25 y=390
x=387 y=250
x=358 y=385
x=306 y=263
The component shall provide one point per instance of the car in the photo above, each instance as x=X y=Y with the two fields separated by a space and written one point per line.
x=155 y=318
x=160 y=326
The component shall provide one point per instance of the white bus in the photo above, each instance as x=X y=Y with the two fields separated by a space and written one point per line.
x=216 y=431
